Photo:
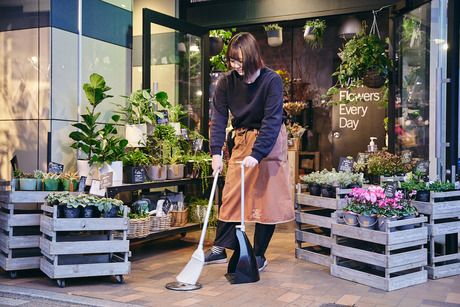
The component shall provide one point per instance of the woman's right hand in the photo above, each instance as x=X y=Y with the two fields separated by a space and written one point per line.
x=217 y=164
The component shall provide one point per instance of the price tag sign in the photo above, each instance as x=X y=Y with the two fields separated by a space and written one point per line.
x=95 y=188
x=54 y=167
x=422 y=167
x=82 y=184
x=406 y=156
x=106 y=179
x=164 y=119
x=346 y=164
x=362 y=158
x=390 y=189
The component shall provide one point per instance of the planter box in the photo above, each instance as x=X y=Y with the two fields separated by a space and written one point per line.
x=443 y=211
x=83 y=247
x=383 y=260
x=313 y=219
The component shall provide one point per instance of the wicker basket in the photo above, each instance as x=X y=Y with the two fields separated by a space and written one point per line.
x=139 y=228
x=179 y=218
x=161 y=222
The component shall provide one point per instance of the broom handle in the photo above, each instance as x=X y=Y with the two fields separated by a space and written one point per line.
x=242 y=198
x=208 y=211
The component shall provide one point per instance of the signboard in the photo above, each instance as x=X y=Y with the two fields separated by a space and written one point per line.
x=422 y=167
x=54 y=167
x=346 y=164
x=96 y=189
x=390 y=189
x=82 y=184
x=106 y=179
x=356 y=116
x=362 y=157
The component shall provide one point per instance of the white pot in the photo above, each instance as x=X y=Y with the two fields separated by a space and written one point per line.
x=275 y=37
x=308 y=34
x=90 y=172
x=117 y=168
x=135 y=134
x=176 y=127
x=157 y=172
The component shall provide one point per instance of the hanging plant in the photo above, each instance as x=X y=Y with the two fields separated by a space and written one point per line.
x=313 y=32
x=274 y=34
x=411 y=34
x=218 y=61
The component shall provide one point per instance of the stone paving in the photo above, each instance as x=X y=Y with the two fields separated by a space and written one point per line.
x=286 y=281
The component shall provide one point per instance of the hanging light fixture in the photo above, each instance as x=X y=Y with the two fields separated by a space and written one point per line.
x=350 y=28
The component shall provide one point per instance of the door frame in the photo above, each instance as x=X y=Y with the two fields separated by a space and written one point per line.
x=149 y=17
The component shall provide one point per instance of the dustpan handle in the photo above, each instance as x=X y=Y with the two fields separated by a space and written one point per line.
x=208 y=210
x=242 y=198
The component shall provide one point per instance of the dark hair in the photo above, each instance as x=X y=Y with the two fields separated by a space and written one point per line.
x=252 y=61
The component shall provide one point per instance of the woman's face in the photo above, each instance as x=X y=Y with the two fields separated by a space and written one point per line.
x=237 y=64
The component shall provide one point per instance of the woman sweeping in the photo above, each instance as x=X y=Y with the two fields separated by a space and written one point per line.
x=253 y=94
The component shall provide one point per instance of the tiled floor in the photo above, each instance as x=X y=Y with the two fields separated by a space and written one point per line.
x=286 y=281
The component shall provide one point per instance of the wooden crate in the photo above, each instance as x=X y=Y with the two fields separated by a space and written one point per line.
x=383 y=260
x=313 y=219
x=443 y=213
x=83 y=247
x=20 y=229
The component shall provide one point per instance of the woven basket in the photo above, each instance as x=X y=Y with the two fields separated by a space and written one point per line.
x=139 y=228
x=160 y=222
x=373 y=79
x=179 y=218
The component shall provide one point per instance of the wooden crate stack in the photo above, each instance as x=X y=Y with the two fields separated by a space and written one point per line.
x=83 y=247
x=20 y=230
x=384 y=260
x=313 y=219
x=443 y=212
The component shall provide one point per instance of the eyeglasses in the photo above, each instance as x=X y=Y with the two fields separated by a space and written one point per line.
x=235 y=62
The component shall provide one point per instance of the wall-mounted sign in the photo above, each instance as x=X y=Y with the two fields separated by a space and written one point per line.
x=346 y=164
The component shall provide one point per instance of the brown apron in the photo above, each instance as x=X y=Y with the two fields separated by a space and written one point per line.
x=267 y=186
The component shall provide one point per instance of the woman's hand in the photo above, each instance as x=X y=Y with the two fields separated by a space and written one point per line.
x=217 y=164
x=250 y=161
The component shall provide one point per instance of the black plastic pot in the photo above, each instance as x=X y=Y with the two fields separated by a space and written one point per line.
x=327 y=190
x=91 y=212
x=72 y=213
x=315 y=189
x=60 y=210
x=112 y=212
x=133 y=174
x=423 y=195
x=354 y=185
x=374 y=179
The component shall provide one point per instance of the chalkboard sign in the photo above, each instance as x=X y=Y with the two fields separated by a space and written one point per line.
x=390 y=189
x=82 y=184
x=138 y=175
x=54 y=167
x=164 y=119
x=406 y=156
x=106 y=179
x=422 y=167
x=346 y=164
x=362 y=157
x=14 y=163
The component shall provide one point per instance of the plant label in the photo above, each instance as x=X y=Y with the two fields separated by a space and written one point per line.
x=106 y=179
x=362 y=157
x=54 y=167
x=406 y=156
x=95 y=188
x=82 y=184
x=164 y=119
x=390 y=189
x=346 y=164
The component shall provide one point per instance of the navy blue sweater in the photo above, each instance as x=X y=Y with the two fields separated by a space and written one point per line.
x=258 y=105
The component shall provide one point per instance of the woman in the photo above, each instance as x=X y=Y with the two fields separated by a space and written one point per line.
x=253 y=94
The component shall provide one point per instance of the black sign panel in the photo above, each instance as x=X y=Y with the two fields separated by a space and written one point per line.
x=390 y=189
x=138 y=174
x=422 y=167
x=54 y=167
x=346 y=164
x=82 y=184
x=164 y=119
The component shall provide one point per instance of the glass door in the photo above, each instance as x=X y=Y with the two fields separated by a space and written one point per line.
x=173 y=57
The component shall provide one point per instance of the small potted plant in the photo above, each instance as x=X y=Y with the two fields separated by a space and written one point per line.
x=413 y=184
x=109 y=207
x=38 y=174
x=367 y=201
x=16 y=175
x=134 y=163
x=407 y=211
x=274 y=34
x=90 y=209
x=312 y=180
x=27 y=182
x=70 y=181
x=175 y=113
x=313 y=32
x=51 y=181
x=72 y=206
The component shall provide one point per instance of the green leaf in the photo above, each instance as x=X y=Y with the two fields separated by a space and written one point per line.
x=97 y=80
x=116 y=118
x=77 y=136
x=162 y=98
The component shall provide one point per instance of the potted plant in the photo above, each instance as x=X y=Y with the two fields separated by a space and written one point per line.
x=70 y=181
x=363 y=60
x=109 y=206
x=313 y=181
x=439 y=186
x=218 y=61
x=274 y=34
x=313 y=32
x=51 y=181
x=389 y=209
x=72 y=206
x=134 y=163
x=175 y=112
x=38 y=174
x=90 y=209
x=407 y=211
x=367 y=201
x=176 y=167
x=27 y=182
x=411 y=34
x=199 y=166
x=383 y=163
x=15 y=182
x=86 y=137
x=414 y=184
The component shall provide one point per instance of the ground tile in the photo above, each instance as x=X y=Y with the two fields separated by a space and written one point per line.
x=348 y=300
x=453 y=298
x=410 y=302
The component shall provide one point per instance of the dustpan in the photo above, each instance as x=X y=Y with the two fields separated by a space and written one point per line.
x=242 y=267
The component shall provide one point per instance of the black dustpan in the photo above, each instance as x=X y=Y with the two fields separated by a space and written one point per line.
x=242 y=267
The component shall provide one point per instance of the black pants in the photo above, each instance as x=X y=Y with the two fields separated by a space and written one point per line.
x=226 y=236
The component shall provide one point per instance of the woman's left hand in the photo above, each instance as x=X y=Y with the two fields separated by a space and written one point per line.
x=250 y=161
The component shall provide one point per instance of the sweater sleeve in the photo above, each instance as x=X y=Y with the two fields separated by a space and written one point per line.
x=219 y=117
x=271 y=123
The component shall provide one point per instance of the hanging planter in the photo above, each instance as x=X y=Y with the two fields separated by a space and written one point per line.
x=274 y=35
x=313 y=33
x=216 y=44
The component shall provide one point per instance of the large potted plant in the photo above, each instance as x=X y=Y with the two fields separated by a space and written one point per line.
x=274 y=34
x=313 y=32
x=86 y=137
